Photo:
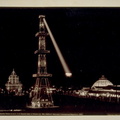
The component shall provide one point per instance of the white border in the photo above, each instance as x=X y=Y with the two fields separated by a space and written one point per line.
x=59 y=3
x=60 y=118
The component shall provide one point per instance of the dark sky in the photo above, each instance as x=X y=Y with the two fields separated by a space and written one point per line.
x=88 y=38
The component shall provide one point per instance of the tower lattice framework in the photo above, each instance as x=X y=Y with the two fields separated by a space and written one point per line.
x=41 y=96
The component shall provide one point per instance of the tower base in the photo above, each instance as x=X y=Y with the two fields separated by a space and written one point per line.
x=43 y=103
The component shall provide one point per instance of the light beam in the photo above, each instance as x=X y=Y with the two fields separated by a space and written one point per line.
x=68 y=74
x=65 y=67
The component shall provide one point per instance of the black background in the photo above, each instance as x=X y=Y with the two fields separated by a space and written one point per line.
x=87 y=37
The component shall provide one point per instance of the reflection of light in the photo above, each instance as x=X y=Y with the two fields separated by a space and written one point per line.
x=68 y=74
x=65 y=67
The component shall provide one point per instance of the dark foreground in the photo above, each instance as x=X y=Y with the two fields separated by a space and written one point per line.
x=67 y=106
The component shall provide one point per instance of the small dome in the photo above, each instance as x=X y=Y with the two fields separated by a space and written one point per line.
x=102 y=82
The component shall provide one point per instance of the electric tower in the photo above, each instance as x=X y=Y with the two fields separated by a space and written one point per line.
x=41 y=96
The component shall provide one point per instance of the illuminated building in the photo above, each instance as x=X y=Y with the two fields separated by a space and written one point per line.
x=13 y=84
x=102 y=82
x=105 y=90
x=101 y=87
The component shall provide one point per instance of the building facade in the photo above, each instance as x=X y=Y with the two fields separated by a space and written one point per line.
x=13 y=85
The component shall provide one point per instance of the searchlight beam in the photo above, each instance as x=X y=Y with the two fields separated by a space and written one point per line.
x=65 y=67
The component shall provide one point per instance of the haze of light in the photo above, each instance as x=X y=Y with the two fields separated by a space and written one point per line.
x=65 y=67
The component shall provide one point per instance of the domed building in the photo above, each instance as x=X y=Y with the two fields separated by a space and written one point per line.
x=102 y=82
x=104 y=90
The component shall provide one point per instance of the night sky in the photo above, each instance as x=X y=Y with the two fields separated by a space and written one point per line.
x=89 y=39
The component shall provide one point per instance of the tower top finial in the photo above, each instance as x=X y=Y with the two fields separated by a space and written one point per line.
x=41 y=16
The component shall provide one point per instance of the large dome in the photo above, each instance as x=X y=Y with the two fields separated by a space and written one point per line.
x=102 y=82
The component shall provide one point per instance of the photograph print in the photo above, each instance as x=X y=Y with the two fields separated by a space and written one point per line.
x=59 y=61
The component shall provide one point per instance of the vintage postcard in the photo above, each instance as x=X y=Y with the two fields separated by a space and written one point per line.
x=59 y=60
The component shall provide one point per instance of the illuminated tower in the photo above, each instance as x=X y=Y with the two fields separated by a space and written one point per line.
x=40 y=95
